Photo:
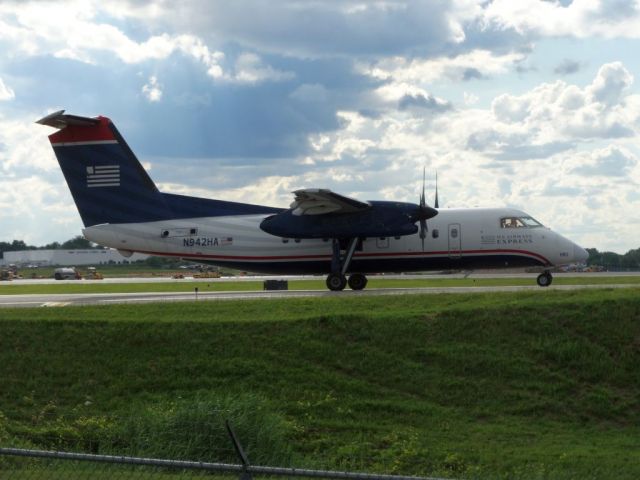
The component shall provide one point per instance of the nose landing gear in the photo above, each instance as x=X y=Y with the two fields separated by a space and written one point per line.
x=544 y=279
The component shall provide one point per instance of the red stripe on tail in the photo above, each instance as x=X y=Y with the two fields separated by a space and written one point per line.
x=76 y=133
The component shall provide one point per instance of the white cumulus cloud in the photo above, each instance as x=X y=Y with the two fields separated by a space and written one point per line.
x=605 y=18
x=6 y=93
x=152 y=90
x=249 y=68
x=557 y=114
x=475 y=64
x=34 y=28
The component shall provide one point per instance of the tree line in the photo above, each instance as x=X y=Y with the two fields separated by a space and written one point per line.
x=76 y=243
x=615 y=261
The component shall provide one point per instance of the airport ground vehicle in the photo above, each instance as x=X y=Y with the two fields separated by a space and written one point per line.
x=6 y=274
x=93 y=274
x=66 y=273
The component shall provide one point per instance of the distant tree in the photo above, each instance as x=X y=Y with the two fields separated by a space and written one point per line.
x=79 y=243
x=594 y=257
x=610 y=260
x=631 y=259
x=76 y=243
x=162 y=262
x=14 y=246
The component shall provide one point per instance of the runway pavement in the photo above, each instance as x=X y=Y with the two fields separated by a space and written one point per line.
x=260 y=278
x=58 y=300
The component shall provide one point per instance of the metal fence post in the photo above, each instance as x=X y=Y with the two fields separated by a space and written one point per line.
x=245 y=475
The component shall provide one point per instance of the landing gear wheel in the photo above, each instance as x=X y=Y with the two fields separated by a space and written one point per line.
x=544 y=279
x=357 y=281
x=336 y=282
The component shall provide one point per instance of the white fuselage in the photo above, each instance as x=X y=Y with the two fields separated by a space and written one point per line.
x=463 y=238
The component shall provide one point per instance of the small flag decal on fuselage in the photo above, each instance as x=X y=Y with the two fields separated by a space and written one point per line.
x=103 y=176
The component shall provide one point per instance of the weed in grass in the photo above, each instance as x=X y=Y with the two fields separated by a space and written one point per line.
x=195 y=430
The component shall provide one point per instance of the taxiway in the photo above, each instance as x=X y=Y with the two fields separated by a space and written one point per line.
x=63 y=299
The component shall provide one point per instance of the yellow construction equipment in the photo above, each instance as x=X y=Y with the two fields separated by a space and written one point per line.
x=207 y=275
x=93 y=274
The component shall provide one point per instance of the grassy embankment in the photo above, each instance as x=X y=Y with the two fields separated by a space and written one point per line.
x=211 y=285
x=483 y=385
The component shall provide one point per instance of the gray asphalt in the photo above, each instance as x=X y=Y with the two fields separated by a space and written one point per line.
x=259 y=278
x=58 y=300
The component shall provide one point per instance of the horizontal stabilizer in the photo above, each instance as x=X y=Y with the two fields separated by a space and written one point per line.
x=61 y=120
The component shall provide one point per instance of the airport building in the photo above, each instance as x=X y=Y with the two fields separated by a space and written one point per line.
x=74 y=258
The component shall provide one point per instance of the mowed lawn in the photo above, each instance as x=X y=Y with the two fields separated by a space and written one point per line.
x=502 y=385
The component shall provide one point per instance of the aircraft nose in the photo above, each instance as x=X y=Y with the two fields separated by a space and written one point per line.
x=580 y=255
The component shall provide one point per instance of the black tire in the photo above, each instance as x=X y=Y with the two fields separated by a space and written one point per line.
x=57 y=276
x=357 y=281
x=544 y=279
x=336 y=282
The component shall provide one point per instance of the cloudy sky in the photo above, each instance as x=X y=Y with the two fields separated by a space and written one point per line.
x=533 y=104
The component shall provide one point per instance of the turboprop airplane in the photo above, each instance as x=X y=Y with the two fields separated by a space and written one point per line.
x=321 y=233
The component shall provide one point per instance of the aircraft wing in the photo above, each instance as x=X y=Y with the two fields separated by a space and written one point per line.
x=320 y=201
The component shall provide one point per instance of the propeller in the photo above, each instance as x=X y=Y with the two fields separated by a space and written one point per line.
x=424 y=212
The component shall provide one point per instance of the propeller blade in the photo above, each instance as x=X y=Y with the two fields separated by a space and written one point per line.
x=423 y=200
x=436 y=202
x=424 y=212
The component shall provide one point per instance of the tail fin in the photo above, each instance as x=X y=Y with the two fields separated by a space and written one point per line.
x=108 y=183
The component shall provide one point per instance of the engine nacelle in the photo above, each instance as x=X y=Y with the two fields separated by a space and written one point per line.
x=383 y=219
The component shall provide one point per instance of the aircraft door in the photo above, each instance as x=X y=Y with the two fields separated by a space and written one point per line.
x=455 y=240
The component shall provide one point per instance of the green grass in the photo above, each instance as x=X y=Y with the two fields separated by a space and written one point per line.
x=527 y=385
x=15 y=288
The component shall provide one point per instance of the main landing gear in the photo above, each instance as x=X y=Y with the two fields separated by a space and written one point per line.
x=337 y=279
x=544 y=279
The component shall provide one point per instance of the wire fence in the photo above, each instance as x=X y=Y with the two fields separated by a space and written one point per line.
x=136 y=467
x=180 y=445
x=191 y=441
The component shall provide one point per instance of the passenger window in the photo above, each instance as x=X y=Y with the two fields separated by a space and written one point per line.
x=454 y=233
x=435 y=233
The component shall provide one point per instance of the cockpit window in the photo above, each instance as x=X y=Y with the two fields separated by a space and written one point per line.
x=531 y=222
x=519 y=222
